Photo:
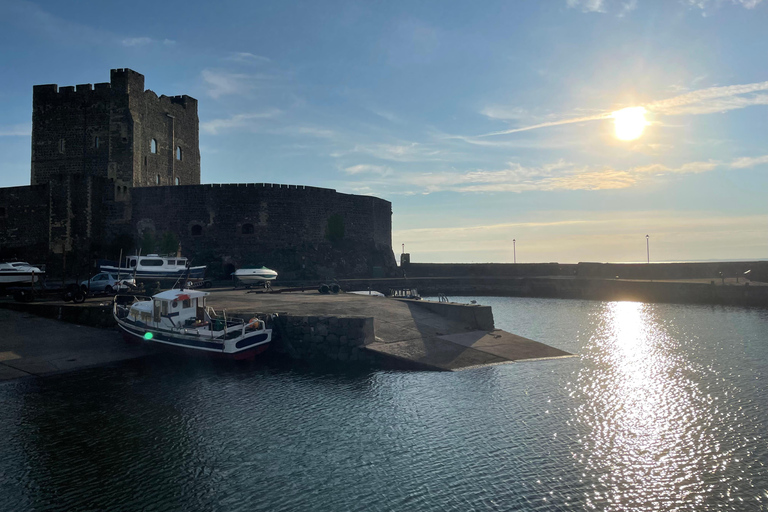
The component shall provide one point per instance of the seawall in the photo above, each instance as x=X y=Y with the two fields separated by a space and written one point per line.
x=707 y=292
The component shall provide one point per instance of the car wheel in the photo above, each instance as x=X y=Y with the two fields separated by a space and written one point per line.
x=109 y=290
x=78 y=298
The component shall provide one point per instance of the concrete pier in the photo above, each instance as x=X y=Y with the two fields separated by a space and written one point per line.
x=383 y=332
x=34 y=346
x=405 y=333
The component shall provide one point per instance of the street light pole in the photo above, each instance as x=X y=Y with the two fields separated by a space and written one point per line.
x=647 y=249
x=514 y=251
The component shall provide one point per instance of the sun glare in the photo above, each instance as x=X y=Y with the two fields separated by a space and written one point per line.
x=630 y=122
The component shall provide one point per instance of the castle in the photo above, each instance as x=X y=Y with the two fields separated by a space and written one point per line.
x=114 y=165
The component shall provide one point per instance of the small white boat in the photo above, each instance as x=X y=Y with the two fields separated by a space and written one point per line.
x=19 y=272
x=255 y=275
x=180 y=319
x=371 y=293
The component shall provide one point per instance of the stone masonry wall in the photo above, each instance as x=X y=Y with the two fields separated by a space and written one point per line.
x=317 y=338
x=283 y=227
x=105 y=130
x=24 y=223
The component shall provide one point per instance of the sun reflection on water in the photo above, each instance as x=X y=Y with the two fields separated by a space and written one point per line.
x=646 y=426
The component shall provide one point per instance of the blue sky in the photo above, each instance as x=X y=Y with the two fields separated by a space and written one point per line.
x=482 y=122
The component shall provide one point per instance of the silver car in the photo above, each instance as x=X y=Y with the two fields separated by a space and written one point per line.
x=108 y=283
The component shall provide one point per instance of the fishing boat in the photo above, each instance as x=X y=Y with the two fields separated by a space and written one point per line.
x=19 y=272
x=255 y=275
x=156 y=267
x=180 y=319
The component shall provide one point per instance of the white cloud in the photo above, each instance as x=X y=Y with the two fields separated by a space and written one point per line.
x=505 y=112
x=627 y=6
x=559 y=175
x=215 y=126
x=587 y=5
x=712 y=99
x=246 y=57
x=405 y=152
x=137 y=41
x=748 y=162
x=16 y=130
x=223 y=83
x=368 y=169
x=144 y=41
x=705 y=5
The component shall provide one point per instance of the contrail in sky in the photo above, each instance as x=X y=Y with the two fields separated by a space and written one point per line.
x=672 y=106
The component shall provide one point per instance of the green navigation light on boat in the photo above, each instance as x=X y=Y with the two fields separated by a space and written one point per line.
x=147 y=335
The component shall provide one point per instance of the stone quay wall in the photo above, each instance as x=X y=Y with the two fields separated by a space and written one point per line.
x=324 y=338
x=743 y=294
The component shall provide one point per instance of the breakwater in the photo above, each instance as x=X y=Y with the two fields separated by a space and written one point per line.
x=758 y=270
x=347 y=328
x=709 y=292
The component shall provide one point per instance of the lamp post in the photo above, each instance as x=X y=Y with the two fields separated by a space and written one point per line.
x=514 y=251
x=647 y=249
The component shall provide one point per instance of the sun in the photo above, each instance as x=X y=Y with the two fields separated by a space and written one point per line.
x=630 y=122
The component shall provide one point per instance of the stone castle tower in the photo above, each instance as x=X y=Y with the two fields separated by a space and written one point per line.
x=117 y=131
x=113 y=163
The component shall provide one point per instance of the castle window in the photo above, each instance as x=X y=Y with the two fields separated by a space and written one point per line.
x=178 y=153
x=247 y=229
x=197 y=230
x=157 y=179
x=153 y=146
x=96 y=142
x=177 y=180
x=61 y=145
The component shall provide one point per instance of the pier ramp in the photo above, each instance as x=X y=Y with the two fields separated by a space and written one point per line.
x=398 y=333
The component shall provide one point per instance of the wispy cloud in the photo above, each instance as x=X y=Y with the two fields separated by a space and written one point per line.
x=748 y=162
x=626 y=6
x=16 y=130
x=224 y=83
x=559 y=175
x=712 y=99
x=216 y=126
x=703 y=101
x=707 y=5
x=246 y=57
x=559 y=122
x=404 y=152
x=368 y=169
x=145 y=41
x=587 y=5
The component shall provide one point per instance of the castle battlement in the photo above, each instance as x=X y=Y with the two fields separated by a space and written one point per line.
x=270 y=186
x=124 y=80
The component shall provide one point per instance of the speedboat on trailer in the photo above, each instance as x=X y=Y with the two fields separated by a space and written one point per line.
x=255 y=275
x=19 y=272
x=180 y=319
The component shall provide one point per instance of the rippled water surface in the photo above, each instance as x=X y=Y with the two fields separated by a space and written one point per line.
x=665 y=408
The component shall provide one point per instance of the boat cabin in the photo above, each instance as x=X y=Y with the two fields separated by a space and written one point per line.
x=172 y=309
x=154 y=260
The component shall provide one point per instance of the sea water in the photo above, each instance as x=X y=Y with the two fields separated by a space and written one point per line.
x=665 y=407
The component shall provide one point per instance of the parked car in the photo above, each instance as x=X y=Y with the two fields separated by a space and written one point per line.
x=108 y=283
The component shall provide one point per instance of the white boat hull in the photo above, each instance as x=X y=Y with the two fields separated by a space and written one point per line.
x=10 y=277
x=255 y=275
